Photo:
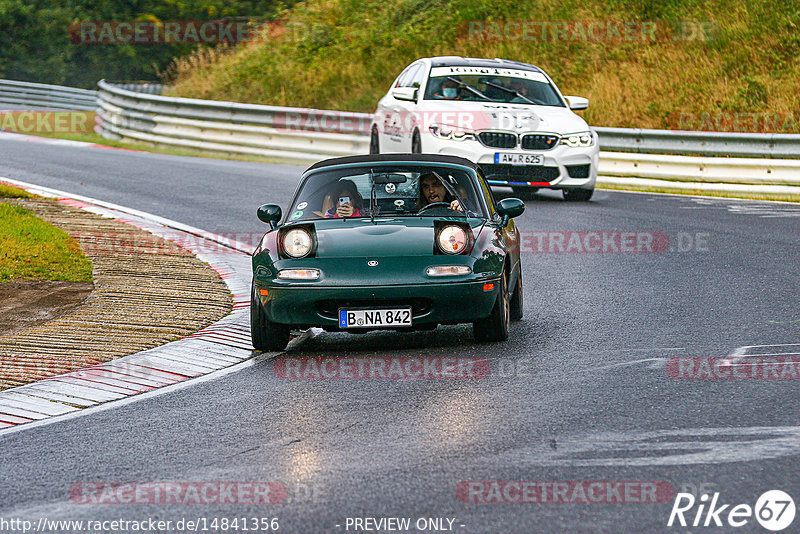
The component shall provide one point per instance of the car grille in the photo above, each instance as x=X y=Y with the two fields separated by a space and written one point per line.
x=330 y=308
x=537 y=172
x=578 y=171
x=539 y=141
x=498 y=139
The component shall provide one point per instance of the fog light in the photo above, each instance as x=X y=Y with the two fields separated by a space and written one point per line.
x=448 y=270
x=299 y=274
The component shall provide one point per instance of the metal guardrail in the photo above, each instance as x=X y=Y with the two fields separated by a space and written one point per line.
x=308 y=134
x=136 y=111
x=40 y=96
x=751 y=145
x=272 y=131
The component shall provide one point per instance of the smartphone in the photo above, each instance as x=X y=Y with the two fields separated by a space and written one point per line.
x=344 y=200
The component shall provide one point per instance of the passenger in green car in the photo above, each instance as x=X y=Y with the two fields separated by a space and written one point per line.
x=345 y=199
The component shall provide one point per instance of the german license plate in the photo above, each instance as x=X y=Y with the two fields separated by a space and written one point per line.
x=371 y=318
x=518 y=159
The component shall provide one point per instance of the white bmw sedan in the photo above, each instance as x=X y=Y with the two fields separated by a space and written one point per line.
x=506 y=116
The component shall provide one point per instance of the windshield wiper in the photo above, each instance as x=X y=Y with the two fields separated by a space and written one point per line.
x=452 y=190
x=470 y=88
x=373 y=200
x=512 y=91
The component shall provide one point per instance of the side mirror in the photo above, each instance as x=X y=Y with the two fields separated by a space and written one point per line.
x=270 y=213
x=577 y=103
x=508 y=208
x=405 y=93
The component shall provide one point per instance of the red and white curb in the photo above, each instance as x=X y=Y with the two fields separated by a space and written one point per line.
x=219 y=346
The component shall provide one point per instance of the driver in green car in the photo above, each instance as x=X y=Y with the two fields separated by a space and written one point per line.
x=432 y=190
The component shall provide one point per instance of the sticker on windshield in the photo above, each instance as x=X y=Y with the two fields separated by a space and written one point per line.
x=302 y=206
x=491 y=71
x=297 y=215
x=390 y=188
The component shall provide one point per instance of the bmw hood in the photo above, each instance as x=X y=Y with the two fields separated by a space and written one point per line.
x=518 y=118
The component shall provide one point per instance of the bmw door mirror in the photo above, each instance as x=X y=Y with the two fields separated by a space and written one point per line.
x=577 y=103
x=270 y=213
x=405 y=93
x=508 y=208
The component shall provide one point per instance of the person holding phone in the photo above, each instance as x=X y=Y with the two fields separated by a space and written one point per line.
x=347 y=201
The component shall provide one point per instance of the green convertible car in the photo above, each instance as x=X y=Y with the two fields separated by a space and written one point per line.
x=400 y=241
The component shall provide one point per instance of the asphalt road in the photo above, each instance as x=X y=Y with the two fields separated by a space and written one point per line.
x=580 y=391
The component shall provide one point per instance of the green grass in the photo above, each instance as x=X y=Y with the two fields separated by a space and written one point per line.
x=343 y=54
x=9 y=191
x=33 y=249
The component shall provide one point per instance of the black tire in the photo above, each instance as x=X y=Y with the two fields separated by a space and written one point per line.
x=266 y=335
x=524 y=193
x=516 y=300
x=577 y=195
x=374 y=142
x=416 y=143
x=496 y=326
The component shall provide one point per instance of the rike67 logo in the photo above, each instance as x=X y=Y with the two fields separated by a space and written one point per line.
x=774 y=510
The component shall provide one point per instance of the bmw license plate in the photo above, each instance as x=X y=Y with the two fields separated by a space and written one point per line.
x=518 y=159
x=371 y=318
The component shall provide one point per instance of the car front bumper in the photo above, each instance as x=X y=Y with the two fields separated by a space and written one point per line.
x=564 y=167
x=432 y=303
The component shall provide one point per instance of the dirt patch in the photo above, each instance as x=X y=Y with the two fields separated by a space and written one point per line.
x=25 y=303
x=147 y=292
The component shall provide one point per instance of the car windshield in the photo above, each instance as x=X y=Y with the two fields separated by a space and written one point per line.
x=513 y=87
x=414 y=191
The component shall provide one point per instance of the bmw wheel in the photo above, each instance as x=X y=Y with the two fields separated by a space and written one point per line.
x=416 y=143
x=266 y=335
x=496 y=326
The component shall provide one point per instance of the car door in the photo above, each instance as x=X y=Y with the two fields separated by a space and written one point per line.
x=398 y=120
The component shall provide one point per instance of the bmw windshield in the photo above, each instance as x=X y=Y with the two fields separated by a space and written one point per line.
x=386 y=191
x=505 y=86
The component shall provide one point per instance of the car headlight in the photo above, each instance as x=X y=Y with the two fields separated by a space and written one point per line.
x=452 y=239
x=576 y=140
x=298 y=274
x=448 y=270
x=443 y=131
x=297 y=243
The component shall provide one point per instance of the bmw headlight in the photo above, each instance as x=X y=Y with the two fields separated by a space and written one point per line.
x=577 y=140
x=443 y=131
x=452 y=239
x=297 y=243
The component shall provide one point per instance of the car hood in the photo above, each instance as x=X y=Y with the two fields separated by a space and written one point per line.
x=386 y=237
x=519 y=118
